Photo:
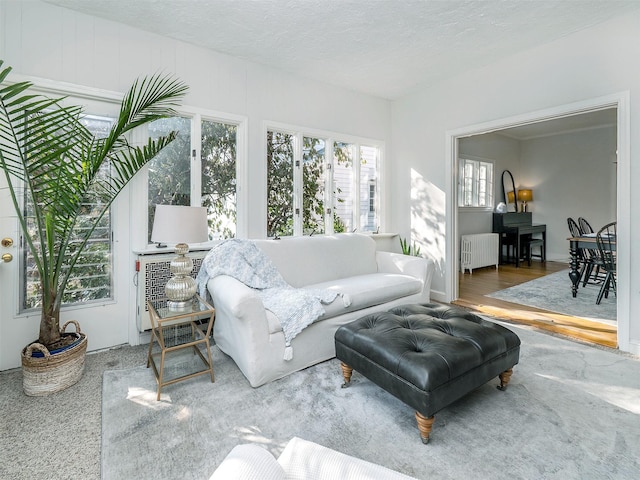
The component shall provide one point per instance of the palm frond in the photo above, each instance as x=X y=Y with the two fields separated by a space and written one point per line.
x=46 y=151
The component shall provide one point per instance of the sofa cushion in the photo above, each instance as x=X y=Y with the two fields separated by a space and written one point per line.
x=359 y=292
x=249 y=462
x=368 y=290
x=304 y=261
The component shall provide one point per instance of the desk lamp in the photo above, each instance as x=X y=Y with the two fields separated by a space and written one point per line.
x=525 y=195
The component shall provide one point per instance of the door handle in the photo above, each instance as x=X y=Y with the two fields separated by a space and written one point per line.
x=7 y=242
x=7 y=257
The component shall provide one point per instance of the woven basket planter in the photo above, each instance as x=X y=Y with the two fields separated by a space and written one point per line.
x=53 y=372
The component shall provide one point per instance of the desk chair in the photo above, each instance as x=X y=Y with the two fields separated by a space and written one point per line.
x=528 y=246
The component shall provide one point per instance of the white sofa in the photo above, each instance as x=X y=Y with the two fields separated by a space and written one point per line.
x=300 y=460
x=346 y=263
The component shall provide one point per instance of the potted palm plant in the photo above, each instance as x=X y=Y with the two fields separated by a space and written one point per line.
x=55 y=168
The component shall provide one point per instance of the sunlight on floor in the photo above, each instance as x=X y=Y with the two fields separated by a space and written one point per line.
x=253 y=434
x=626 y=398
x=147 y=398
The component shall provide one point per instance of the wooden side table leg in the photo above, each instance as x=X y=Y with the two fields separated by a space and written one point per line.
x=149 y=352
x=425 y=424
x=504 y=379
x=209 y=357
x=346 y=374
x=160 y=374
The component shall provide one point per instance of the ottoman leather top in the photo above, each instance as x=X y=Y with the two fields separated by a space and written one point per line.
x=428 y=345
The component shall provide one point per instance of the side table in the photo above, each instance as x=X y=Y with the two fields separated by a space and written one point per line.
x=175 y=330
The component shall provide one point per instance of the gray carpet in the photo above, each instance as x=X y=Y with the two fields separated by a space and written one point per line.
x=571 y=411
x=57 y=437
x=553 y=292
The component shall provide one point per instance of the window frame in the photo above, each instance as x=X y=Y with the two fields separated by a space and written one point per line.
x=330 y=138
x=197 y=116
x=99 y=105
x=490 y=184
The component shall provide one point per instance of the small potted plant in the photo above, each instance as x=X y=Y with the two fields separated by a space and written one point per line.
x=407 y=249
x=47 y=153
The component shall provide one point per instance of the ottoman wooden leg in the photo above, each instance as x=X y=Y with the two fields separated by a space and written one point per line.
x=425 y=424
x=504 y=379
x=346 y=373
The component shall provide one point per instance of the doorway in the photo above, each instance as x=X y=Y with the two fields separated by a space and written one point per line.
x=618 y=103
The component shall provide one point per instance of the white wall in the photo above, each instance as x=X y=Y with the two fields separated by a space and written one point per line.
x=572 y=175
x=44 y=41
x=590 y=64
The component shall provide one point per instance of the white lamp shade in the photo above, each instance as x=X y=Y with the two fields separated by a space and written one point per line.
x=180 y=224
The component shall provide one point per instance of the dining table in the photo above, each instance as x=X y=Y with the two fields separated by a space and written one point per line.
x=587 y=241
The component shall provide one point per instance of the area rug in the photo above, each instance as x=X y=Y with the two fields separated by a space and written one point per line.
x=571 y=411
x=553 y=293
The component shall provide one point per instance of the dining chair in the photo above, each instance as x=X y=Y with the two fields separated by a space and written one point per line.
x=574 y=231
x=589 y=257
x=606 y=241
x=574 y=228
x=584 y=225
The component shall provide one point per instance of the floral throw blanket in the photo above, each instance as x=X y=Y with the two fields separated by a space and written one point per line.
x=243 y=260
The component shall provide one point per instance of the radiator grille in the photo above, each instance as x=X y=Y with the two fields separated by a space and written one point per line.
x=153 y=276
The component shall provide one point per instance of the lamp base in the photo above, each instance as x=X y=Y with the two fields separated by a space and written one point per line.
x=179 y=306
x=181 y=288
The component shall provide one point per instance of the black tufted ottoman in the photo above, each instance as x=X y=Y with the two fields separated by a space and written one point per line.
x=427 y=355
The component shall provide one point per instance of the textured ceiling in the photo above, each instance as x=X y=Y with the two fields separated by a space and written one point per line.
x=384 y=48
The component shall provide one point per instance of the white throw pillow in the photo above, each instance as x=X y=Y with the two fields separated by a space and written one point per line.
x=249 y=462
x=304 y=460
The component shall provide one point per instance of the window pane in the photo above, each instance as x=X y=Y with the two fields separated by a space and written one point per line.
x=313 y=154
x=91 y=276
x=169 y=171
x=279 y=184
x=219 y=178
x=343 y=180
x=476 y=184
x=368 y=188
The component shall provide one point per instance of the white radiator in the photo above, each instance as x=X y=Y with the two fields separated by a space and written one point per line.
x=478 y=250
x=153 y=274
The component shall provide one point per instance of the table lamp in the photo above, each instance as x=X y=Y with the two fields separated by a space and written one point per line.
x=180 y=225
x=525 y=195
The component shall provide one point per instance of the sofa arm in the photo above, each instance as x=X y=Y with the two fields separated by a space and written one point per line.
x=234 y=298
x=241 y=319
x=418 y=267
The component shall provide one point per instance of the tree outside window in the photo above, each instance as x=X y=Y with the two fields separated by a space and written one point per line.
x=172 y=174
x=318 y=192
x=218 y=165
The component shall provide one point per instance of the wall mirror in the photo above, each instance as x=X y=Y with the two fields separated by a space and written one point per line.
x=509 y=196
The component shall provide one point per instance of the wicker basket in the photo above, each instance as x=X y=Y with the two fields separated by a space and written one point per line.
x=53 y=372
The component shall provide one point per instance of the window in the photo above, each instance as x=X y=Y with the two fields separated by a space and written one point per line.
x=279 y=184
x=476 y=184
x=91 y=278
x=176 y=178
x=170 y=170
x=218 y=181
x=321 y=189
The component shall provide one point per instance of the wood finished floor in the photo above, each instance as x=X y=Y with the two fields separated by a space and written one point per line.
x=473 y=288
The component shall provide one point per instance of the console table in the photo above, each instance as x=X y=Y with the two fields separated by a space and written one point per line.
x=518 y=224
